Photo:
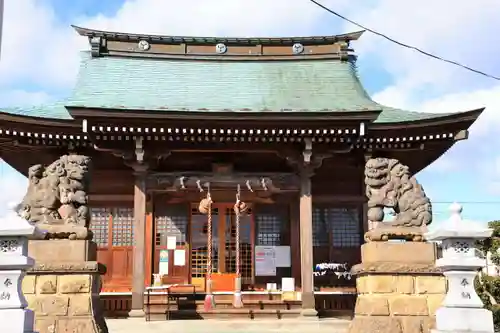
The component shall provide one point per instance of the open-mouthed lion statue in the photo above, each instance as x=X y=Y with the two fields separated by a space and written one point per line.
x=56 y=199
x=389 y=184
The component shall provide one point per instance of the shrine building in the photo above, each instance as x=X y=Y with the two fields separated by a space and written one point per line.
x=284 y=124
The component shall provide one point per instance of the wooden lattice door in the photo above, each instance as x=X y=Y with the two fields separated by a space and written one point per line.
x=172 y=221
x=113 y=230
x=223 y=246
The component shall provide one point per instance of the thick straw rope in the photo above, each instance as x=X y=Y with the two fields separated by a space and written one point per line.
x=209 y=240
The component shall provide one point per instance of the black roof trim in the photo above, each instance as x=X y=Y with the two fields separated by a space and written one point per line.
x=161 y=39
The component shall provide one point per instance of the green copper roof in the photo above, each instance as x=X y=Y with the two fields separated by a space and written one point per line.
x=159 y=84
x=55 y=111
x=394 y=115
x=260 y=86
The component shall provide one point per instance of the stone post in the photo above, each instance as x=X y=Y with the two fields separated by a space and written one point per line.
x=462 y=309
x=14 y=261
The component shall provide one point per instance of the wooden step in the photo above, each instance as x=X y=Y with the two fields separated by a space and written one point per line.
x=158 y=306
x=226 y=314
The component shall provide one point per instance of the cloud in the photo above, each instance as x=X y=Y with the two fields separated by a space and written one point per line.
x=36 y=48
x=455 y=30
x=18 y=97
x=459 y=31
x=45 y=51
x=452 y=102
x=12 y=187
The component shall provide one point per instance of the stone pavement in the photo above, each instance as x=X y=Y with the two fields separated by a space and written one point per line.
x=135 y=325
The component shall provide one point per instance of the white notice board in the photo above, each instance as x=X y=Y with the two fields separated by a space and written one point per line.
x=265 y=261
x=282 y=256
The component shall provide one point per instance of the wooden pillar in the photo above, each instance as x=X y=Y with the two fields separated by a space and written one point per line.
x=295 y=240
x=139 y=266
x=306 y=245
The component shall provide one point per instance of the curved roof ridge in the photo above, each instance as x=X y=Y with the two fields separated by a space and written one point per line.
x=306 y=40
x=357 y=81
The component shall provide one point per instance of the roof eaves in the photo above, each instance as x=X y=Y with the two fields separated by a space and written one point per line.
x=306 y=40
x=204 y=113
x=56 y=112
x=417 y=119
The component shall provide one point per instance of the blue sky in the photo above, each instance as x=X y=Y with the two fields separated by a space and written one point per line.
x=40 y=60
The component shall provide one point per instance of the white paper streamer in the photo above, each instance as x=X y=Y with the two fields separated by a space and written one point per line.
x=339 y=270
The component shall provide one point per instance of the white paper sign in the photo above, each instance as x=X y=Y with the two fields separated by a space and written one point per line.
x=171 y=242
x=265 y=261
x=180 y=257
x=283 y=256
x=163 y=267
x=288 y=284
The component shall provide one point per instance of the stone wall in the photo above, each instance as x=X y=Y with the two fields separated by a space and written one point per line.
x=410 y=299
x=399 y=288
x=65 y=298
x=63 y=287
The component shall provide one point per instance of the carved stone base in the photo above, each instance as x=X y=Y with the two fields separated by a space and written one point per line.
x=65 y=296
x=384 y=233
x=398 y=292
x=65 y=231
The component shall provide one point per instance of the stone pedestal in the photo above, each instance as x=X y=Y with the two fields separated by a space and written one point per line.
x=63 y=290
x=399 y=288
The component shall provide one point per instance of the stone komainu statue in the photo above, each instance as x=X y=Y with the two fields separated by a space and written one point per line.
x=56 y=199
x=390 y=184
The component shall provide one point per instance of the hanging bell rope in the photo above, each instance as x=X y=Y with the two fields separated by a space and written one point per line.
x=239 y=208
x=205 y=207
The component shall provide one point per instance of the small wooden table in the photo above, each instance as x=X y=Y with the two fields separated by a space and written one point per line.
x=170 y=296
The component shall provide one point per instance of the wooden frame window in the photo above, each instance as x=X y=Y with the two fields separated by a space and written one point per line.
x=269 y=225
x=123 y=227
x=336 y=226
x=99 y=225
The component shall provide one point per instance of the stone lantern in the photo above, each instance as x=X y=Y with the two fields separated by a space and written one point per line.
x=462 y=309
x=14 y=261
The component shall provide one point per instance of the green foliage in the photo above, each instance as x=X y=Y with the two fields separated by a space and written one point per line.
x=488 y=287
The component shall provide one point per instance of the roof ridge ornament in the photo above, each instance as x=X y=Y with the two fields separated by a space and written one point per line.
x=143 y=45
x=221 y=48
x=298 y=48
